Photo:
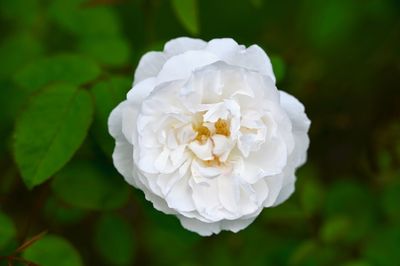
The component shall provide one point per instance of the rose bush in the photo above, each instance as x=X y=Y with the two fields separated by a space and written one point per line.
x=207 y=136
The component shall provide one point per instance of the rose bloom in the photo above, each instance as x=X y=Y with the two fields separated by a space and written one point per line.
x=207 y=136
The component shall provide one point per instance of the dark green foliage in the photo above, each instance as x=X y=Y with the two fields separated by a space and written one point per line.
x=17 y=50
x=382 y=247
x=7 y=230
x=107 y=95
x=72 y=69
x=90 y=186
x=114 y=240
x=58 y=212
x=65 y=64
x=187 y=13
x=53 y=250
x=50 y=130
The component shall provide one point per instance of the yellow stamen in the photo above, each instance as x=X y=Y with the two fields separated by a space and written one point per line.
x=203 y=133
x=222 y=127
x=214 y=162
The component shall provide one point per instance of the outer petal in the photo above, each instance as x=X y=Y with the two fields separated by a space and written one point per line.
x=123 y=161
x=286 y=190
x=202 y=228
x=253 y=58
x=236 y=225
x=207 y=229
x=158 y=202
x=181 y=66
x=224 y=48
x=183 y=44
x=149 y=65
x=129 y=116
x=141 y=90
x=300 y=126
x=123 y=151
x=115 y=121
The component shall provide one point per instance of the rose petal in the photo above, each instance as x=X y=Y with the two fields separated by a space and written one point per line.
x=179 y=197
x=202 y=228
x=223 y=48
x=271 y=159
x=115 y=121
x=228 y=190
x=300 y=127
x=285 y=192
x=181 y=66
x=236 y=225
x=253 y=58
x=141 y=90
x=202 y=151
x=149 y=66
x=206 y=199
x=183 y=44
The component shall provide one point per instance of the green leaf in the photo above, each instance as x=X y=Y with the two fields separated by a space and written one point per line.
x=390 y=201
x=357 y=263
x=21 y=12
x=257 y=3
x=11 y=100
x=355 y=202
x=311 y=191
x=90 y=186
x=53 y=250
x=50 y=130
x=18 y=50
x=332 y=21
x=348 y=197
x=113 y=52
x=107 y=94
x=114 y=239
x=286 y=213
x=335 y=229
x=7 y=230
x=384 y=161
x=383 y=247
x=57 y=212
x=187 y=13
x=72 y=69
x=279 y=67
x=84 y=21
x=311 y=196
x=304 y=252
x=163 y=230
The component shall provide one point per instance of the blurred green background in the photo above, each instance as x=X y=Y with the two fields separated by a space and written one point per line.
x=340 y=58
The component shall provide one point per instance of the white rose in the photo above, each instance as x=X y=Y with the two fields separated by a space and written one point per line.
x=207 y=136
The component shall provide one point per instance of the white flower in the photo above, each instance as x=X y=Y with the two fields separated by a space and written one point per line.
x=207 y=136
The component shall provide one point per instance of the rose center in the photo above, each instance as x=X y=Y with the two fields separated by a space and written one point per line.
x=204 y=133
x=222 y=127
x=205 y=145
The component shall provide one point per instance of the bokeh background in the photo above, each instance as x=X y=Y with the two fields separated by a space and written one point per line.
x=341 y=58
